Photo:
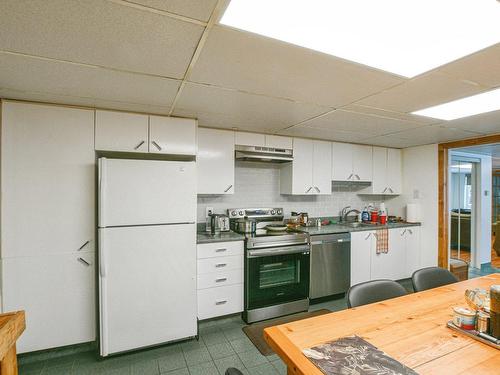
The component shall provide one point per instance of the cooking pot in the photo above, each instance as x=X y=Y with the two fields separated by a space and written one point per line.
x=245 y=225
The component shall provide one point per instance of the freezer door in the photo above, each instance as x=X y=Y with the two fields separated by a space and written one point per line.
x=147 y=286
x=144 y=192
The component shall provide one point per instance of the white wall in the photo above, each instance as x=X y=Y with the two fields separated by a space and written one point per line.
x=257 y=185
x=420 y=185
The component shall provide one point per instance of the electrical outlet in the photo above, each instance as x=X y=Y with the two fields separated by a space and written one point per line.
x=209 y=211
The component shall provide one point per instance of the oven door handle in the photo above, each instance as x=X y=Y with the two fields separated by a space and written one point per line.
x=277 y=251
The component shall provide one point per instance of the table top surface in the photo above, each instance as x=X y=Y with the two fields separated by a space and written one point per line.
x=12 y=324
x=411 y=329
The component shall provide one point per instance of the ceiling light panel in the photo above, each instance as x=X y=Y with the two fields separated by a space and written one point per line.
x=486 y=102
x=405 y=37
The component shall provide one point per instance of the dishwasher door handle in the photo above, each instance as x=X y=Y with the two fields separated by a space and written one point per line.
x=325 y=242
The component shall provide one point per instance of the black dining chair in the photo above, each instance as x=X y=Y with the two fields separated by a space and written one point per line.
x=233 y=371
x=431 y=277
x=373 y=291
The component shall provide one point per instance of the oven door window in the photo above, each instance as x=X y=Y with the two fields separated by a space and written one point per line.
x=277 y=279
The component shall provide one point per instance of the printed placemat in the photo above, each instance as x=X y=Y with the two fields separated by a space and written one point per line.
x=356 y=356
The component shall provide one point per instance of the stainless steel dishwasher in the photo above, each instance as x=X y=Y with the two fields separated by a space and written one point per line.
x=330 y=261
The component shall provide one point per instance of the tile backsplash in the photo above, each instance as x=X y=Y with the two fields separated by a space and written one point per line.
x=258 y=185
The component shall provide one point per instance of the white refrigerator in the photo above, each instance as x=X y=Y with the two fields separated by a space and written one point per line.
x=147 y=253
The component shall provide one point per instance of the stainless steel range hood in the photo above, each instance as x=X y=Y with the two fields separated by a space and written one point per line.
x=264 y=154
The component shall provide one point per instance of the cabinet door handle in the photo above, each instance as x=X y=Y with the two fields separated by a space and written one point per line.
x=350 y=176
x=317 y=188
x=410 y=231
x=85 y=244
x=81 y=260
x=369 y=234
x=139 y=145
x=221 y=250
x=156 y=145
x=402 y=233
x=220 y=265
x=221 y=302
x=392 y=191
x=357 y=176
x=229 y=187
x=221 y=279
x=308 y=190
x=383 y=191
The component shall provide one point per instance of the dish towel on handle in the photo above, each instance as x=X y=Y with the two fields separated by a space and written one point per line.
x=382 y=241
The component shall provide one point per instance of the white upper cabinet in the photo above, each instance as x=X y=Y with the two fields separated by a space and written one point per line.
x=310 y=171
x=351 y=162
x=120 y=131
x=249 y=139
x=215 y=161
x=278 y=141
x=387 y=173
x=172 y=135
x=262 y=140
x=131 y=132
x=48 y=179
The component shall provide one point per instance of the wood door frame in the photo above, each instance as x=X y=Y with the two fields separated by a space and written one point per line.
x=443 y=214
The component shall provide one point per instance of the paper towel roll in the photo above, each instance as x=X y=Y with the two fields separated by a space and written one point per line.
x=412 y=213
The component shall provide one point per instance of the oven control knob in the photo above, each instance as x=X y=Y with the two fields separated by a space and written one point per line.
x=279 y=212
x=241 y=212
x=233 y=213
x=273 y=212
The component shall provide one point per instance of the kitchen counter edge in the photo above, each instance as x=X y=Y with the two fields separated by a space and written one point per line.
x=205 y=237
x=339 y=228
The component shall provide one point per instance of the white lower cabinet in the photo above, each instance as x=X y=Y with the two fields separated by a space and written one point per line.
x=220 y=279
x=402 y=259
x=361 y=248
x=58 y=294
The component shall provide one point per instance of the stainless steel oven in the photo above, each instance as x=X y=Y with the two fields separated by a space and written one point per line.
x=276 y=276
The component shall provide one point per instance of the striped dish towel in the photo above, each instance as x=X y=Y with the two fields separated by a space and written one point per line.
x=382 y=241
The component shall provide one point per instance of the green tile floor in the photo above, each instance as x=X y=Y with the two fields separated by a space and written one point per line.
x=222 y=344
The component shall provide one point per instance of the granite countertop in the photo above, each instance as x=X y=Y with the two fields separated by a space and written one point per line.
x=206 y=237
x=339 y=228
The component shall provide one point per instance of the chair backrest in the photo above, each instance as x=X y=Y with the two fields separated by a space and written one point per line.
x=373 y=291
x=233 y=371
x=431 y=277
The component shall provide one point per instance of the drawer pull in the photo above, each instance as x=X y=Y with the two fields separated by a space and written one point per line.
x=81 y=260
x=156 y=145
x=221 y=302
x=221 y=279
x=221 y=250
x=220 y=265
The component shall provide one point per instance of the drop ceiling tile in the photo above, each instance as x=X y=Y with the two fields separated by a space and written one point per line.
x=421 y=92
x=389 y=141
x=99 y=33
x=486 y=123
x=360 y=123
x=28 y=74
x=197 y=9
x=81 y=101
x=323 y=134
x=482 y=67
x=434 y=134
x=217 y=107
x=241 y=60
x=390 y=114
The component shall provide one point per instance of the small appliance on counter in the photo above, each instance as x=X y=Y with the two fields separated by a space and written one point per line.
x=217 y=223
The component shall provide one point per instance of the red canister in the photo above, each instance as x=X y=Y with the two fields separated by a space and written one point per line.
x=374 y=216
x=383 y=219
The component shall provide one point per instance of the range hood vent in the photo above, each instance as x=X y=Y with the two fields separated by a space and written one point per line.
x=263 y=154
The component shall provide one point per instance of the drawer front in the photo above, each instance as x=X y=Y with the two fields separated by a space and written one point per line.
x=211 y=265
x=215 y=302
x=218 y=249
x=220 y=278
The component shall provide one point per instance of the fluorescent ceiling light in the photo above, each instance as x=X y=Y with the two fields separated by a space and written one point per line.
x=472 y=105
x=405 y=37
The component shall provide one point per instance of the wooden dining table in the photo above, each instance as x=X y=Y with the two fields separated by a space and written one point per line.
x=412 y=329
x=12 y=325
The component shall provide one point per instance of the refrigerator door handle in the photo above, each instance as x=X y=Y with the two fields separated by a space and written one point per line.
x=103 y=305
x=102 y=190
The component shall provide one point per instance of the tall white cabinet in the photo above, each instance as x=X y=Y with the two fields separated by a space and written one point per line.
x=48 y=222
